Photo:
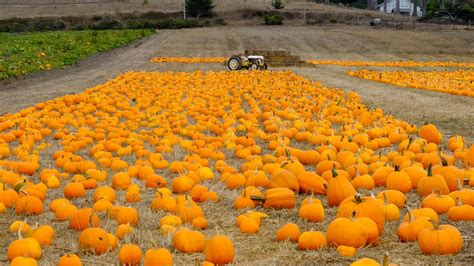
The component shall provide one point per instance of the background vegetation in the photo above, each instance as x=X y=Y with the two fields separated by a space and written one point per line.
x=22 y=53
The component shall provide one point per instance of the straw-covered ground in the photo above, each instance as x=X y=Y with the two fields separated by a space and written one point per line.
x=452 y=114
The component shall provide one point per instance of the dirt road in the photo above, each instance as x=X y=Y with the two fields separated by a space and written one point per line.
x=453 y=114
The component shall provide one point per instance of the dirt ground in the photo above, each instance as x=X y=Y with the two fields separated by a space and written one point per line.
x=453 y=114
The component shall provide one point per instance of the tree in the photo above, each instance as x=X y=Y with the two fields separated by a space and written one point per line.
x=278 y=4
x=199 y=8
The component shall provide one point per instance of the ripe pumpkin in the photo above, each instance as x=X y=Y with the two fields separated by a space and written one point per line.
x=219 y=250
x=95 y=240
x=312 y=240
x=289 y=231
x=440 y=240
x=130 y=254
x=158 y=257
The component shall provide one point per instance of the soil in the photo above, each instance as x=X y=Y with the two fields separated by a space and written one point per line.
x=453 y=114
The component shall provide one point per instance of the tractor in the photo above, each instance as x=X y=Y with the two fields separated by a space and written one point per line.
x=250 y=62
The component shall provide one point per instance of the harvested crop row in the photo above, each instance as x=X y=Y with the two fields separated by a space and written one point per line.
x=220 y=167
x=392 y=63
x=188 y=60
x=459 y=82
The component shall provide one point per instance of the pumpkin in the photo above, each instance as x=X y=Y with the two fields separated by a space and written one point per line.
x=249 y=226
x=24 y=247
x=95 y=240
x=393 y=196
x=219 y=250
x=282 y=178
x=390 y=210
x=310 y=182
x=427 y=212
x=74 y=190
x=158 y=257
x=312 y=212
x=399 y=180
x=23 y=261
x=187 y=241
x=200 y=223
x=83 y=218
x=121 y=180
x=312 y=240
x=410 y=230
x=8 y=197
x=461 y=212
x=64 y=212
x=123 y=230
x=278 y=198
x=430 y=133
x=30 y=205
x=69 y=260
x=130 y=254
x=438 y=202
x=188 y=210
x=104 y=192
x=128 y=215
x=440 y=240
x=339 y=188
x=44 y=235
x=372 y=230
x=19 y=226
x=363 y=182
x=347 y=232
x=364 y=207
x=346 y=251
x=365 y=262
x=427 y=184
x=289 y=231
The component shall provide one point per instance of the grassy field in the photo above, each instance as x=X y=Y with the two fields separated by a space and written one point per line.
x=31 y=52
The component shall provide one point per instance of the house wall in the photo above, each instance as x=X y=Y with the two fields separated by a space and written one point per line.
x=44 y=8
x=405 y=6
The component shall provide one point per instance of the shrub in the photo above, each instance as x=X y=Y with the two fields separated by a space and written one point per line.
x=106 y=24
x=278 y=4
x=199 y=8
x=273 y=20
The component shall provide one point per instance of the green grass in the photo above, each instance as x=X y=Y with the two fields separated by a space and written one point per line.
x=22 y=53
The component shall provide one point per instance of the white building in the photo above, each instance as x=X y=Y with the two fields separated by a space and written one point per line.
x=406 y=7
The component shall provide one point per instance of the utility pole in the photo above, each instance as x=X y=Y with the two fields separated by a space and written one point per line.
x=304 y=12
x=184 y=9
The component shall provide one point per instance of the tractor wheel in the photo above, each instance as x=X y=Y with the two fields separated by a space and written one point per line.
x=234 y=63
x=254 y=66
x=264 y=67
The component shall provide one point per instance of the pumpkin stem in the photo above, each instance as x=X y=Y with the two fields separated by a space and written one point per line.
x=333 y=171
x=353 y=215
x=385 y=198
x=459 y=184
x=19 y=231
x=358 y=198
x=410 y=214
x=437 y=192
x=260 y=199
x=459 y=201
x=430 y=171
x=444 y=162
x=385 y=259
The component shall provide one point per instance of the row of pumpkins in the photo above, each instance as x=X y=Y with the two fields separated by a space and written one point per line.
x=460 y=82
x=118 y=136
x=404 y=63
x=188 y=60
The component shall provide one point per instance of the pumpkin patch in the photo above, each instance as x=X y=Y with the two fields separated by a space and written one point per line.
x=205 y=167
